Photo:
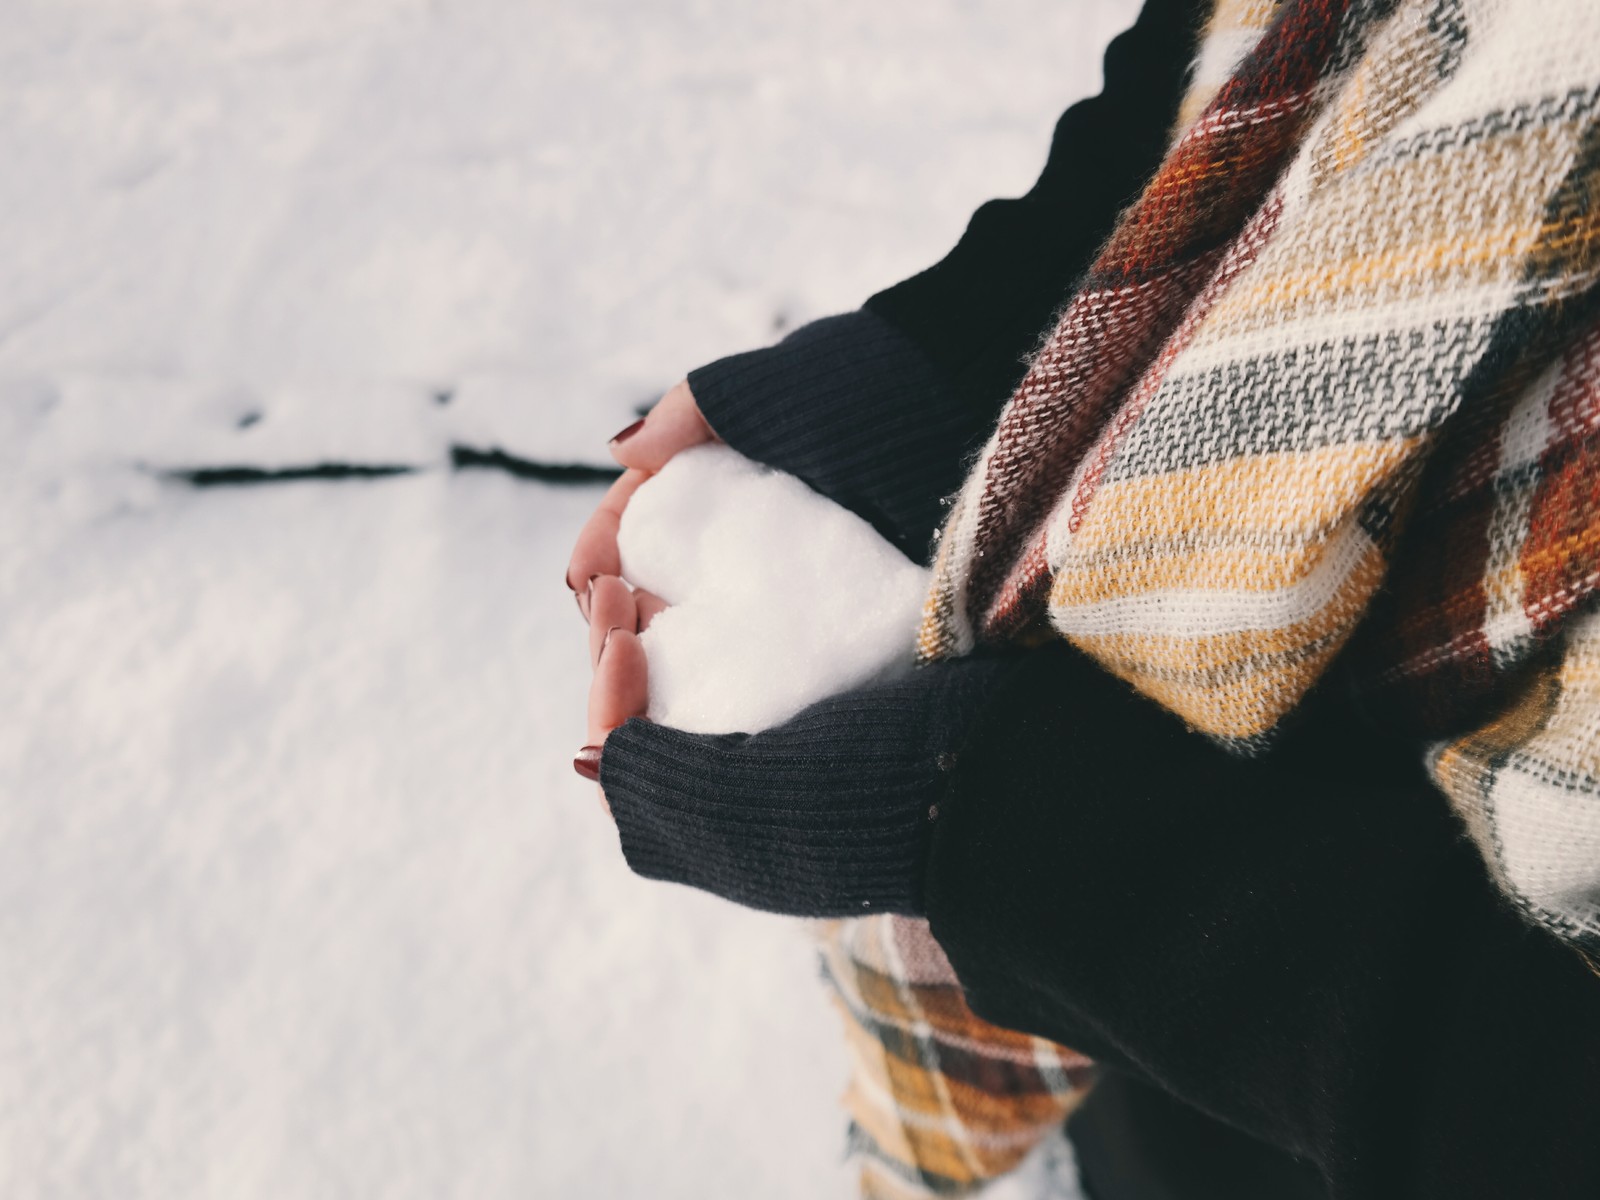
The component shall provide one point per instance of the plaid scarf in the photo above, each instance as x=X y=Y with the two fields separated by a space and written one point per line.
x=1331 y=389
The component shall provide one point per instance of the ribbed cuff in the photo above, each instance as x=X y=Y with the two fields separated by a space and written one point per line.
x=850 y=405
x=828 y=815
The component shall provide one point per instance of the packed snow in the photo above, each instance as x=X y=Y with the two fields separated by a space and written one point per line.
x=751 y=561
x=299 y=895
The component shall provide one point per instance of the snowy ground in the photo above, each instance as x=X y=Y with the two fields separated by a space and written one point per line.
x=298 y=893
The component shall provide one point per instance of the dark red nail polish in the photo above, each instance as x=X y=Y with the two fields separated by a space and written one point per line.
x=587 y=763
x=628 y=432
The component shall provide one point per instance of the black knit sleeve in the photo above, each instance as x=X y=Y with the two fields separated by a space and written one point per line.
x=853 y=407
x=1305 y=947
x=882 y=409
x=825 y=816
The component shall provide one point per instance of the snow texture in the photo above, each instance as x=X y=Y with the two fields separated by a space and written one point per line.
x=779 y=596
x=299 y=895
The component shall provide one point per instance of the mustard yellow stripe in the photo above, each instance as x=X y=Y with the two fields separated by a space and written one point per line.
x=1346 y=242
x=939 y=1153
x=1251 y=569
x=1267 y=671
x=1489 y=255
x=1583 y=546
x=1287 y=493
x=1149 y=651
x=1232 y=15
x=1252 y=709
x=1462 y=768
x=1590 y=963
x=1350 y=144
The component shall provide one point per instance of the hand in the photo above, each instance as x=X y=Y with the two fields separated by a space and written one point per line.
x=616 y=613
x=620 y=688
x=643 y=448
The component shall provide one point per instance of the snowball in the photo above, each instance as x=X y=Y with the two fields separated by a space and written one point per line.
x=779 y=597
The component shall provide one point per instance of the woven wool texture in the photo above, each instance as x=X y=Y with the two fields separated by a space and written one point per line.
x=940 y=1101
x=1332 y=386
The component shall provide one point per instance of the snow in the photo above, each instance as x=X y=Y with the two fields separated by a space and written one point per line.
x=299 y=895
x=751 y=561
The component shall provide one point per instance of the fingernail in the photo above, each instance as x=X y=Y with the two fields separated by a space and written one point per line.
x=587 y=763
x=586 y=597
x=628 y=432
x=607 y=640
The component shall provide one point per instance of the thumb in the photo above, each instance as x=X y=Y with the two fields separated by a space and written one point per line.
x=671 y=426
x=620 y=690
x=621 y=684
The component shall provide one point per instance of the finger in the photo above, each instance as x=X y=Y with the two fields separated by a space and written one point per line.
x=621 y=685
x=595 y=552
x=611 y=606
x=673 y=425
x=647 y=604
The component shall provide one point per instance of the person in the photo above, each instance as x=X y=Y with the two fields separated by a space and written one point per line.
x=1280 y=891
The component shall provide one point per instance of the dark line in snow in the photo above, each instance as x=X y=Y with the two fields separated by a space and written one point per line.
x=466 y=458
x=462 y=458
x=250 y=476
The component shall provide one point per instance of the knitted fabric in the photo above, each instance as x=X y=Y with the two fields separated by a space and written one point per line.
x=1338 y=366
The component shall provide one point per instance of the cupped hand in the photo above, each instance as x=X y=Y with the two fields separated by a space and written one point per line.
x=643 y=448
x=616 y=613
x=620 y=688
